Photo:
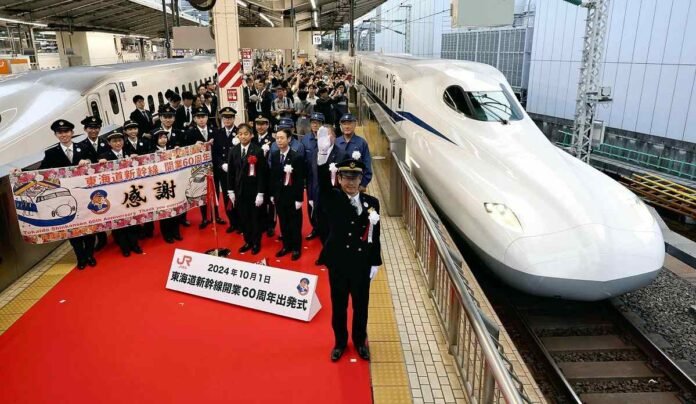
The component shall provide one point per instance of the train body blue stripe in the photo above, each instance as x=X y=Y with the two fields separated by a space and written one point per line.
x=47 y=222
x=399 y=116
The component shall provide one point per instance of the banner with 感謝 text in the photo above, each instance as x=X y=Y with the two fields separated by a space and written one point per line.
x=61 y=203
x=273 y=290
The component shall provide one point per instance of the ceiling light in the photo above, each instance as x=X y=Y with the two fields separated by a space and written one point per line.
x=241 y=3
x=314 y=4
x=36 y=24
x=316 y=22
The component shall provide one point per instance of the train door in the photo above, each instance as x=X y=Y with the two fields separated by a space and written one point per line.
x=114 y=108
x=95 y=108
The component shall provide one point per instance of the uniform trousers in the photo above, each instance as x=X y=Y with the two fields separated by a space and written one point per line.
x=126 y=238
x=221 y=183
x=347 y=279
x=170 y=227
x=290 y=225
x=313 y=213
x=83 y=246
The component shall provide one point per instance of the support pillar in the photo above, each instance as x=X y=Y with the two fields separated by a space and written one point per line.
x=351 y=43
x=287 y=53
x=227 y=51
x=167 y=39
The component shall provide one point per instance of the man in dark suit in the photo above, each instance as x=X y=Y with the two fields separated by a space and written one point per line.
x=95 y=146
x=261 y=101
x=141 y=116
x=287 y=184
x=246 y=181
x=66 y=154
x=184 y=114
x=352 y=249
x=223 y=140
x=265 y=140
x=125 y=237
x=202 y=132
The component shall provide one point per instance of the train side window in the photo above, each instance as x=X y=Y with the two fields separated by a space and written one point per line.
x=190 y=87
x=399 y=98
x=160 y=98
x=95 y=109
x=183 y=87
x=150 y=103
x=455 y=98
x=176 y=90
x=114 y=101
x=195 y=84
x=393 y=93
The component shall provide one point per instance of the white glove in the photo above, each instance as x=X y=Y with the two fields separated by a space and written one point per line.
x=224 y=167
x=272 y=201
x=323 y=146
x=373 y=272
x=298 y=205
x=259 y=200
x=231 y=195
x=311 y=203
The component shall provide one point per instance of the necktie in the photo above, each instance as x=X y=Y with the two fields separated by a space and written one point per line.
x=282 y=159
x=118 y=155
x=188 y=115
x=95 y=145
x=68 y=154
x=243 y=152
x=145 y=114
x=356 y=205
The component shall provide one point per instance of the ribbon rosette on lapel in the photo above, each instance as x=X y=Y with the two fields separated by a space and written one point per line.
x=288 y=174
x=333 y=169
x=265 y=148
x=373 y=218
x=356 y=155
x=252 y=165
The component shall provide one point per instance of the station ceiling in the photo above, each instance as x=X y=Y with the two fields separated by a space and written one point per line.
x=144 y=17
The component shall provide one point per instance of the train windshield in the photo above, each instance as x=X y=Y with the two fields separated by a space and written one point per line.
x=51 y=196
x=488 y=106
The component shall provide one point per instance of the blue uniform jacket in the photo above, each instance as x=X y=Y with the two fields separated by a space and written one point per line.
x=359 y=144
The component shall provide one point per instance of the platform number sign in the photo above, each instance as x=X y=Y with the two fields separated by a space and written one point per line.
x=316 y=39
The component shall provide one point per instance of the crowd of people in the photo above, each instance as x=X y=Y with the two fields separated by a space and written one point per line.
x=297 y=148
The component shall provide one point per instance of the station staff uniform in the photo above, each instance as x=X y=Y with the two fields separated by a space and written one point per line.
x=350 y=252
x=125 y=237
x=356 y=143
x=60 y=156
x=139 y=146
x=175 y=136
x=95 y=147
x=285 y=194
x=169 y=227
x=223 y=139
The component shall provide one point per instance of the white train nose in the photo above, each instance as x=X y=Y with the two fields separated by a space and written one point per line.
x=589 y=262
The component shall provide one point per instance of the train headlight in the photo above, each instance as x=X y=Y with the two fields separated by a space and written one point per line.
x=503 y=215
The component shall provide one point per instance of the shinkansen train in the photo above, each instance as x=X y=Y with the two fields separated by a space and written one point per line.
x=542 y=220
x=30 y=102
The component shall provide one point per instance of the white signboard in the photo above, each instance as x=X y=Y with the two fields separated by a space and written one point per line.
x=273 y=290
x=316 y=39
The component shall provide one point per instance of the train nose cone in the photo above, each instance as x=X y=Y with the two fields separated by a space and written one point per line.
x=590 y=262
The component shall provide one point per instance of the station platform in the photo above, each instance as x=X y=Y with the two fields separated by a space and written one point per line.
x=113 y=333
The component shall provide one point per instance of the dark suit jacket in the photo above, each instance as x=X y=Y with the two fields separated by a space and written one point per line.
x=294 y=192
x=193 y=135
x=265 y=102
x=102 y=147
x=221 y=146
x=345 y=248
x=110 y=155
x=143 y=146
x=54 y=157
x=145 y=125
x=244 y=185
x=180 y=118
x=176 y=138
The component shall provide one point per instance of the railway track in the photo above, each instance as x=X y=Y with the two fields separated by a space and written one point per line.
x=590 y=353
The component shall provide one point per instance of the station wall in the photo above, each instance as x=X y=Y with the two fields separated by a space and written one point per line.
x=650 y=63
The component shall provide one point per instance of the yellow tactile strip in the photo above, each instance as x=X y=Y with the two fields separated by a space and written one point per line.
x=27 y=290
x=387 y=366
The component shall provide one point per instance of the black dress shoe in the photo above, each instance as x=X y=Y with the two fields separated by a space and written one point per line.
x=364 y=353
x=169 y=240
x=244 y=248
x=238 y=231
x=336 y=354
x=81 y=265
x=220 y=220
x=92 y=262
x=125 y=253
x=282 y=252
x=186 y=223
x=178 y=237
x=230 y=229
x=318 y=262
x=204 y=224
x=256 y=249
x=270 y=232
x=137 y=250
x=313 y=234
x=295 y=255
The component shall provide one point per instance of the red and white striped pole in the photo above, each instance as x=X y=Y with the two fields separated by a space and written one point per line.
x=230 y=75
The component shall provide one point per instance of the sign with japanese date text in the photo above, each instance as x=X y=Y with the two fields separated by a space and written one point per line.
x=273 y=290
x=61 y=203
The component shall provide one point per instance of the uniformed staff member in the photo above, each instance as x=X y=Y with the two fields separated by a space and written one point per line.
x=95 y=146
x=246 y=181
x=133 y=146
x=309 y=142
x=351 y=143
x=169 y=227
x=125 y=237
x=352 y=251
x=66 y=154
x=223 y=139
x=167 y=118
x=287 y=186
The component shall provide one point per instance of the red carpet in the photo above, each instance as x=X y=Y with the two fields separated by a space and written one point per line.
x=121 y=337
